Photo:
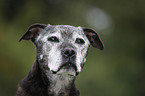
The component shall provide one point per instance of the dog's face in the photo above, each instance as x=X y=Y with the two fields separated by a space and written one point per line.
x=62 y=49
x=65 y=48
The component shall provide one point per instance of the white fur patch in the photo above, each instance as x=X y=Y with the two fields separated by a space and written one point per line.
x=41 y=57
x=54 y=59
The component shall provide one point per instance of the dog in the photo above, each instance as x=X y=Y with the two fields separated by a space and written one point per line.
x=61 y=54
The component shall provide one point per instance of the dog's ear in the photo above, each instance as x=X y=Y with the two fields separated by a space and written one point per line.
x=32 y=32
x=94 y=38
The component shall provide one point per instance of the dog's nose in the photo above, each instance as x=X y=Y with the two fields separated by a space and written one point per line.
x=69 y=52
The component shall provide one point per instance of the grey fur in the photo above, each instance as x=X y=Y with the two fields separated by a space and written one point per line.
x=61 y=54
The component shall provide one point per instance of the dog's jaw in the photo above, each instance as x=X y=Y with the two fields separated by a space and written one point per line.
x=62 y=69
x=70 y=72
x=66 y=69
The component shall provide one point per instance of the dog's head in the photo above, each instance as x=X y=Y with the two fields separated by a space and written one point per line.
x=62 y=49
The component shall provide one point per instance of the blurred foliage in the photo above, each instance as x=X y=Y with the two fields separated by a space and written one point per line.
x=118 y=70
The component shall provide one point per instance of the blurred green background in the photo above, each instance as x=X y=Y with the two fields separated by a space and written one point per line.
x=118 y=70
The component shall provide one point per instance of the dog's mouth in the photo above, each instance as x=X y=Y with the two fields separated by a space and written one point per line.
x=67 y=68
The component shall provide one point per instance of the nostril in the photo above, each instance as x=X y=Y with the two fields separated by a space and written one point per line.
x=66 y=52
x=73 y=52
x=69 y=52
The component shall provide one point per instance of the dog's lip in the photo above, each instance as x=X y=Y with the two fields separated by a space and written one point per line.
x=69 y=64
x=66 y=64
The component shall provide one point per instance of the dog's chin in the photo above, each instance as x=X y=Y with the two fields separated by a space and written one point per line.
x=70 y=72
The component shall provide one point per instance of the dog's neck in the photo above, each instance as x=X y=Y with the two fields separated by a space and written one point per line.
x=60 y=85
x=56 y=85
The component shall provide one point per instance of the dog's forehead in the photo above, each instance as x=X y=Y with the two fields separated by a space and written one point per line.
x=66 y=31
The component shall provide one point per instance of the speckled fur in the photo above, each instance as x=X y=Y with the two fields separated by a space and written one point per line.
x=47 y=76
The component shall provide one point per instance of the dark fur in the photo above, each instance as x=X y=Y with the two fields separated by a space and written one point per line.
x=37 y=84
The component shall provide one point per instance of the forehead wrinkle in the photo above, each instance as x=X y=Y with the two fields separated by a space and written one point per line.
x=66 y=34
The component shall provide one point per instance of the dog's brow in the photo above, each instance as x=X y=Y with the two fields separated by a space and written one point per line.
x=66 y=34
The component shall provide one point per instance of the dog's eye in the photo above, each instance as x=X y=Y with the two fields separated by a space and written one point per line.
x=80 y=41
x=53 y=39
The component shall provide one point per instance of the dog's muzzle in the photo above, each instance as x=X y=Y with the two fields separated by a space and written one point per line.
x=69 y=57
x=68 y=61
